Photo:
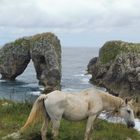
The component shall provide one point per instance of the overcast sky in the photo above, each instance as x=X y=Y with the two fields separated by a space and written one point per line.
x=88 y=23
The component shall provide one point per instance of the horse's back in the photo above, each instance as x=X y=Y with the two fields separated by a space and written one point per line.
x=55 y=96
x=72 y=106
x=55 y=104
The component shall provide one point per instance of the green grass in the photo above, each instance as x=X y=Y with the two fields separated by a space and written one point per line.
x=111 y=49
x=13 y=116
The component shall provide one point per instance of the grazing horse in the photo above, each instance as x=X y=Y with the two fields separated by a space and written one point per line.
x=87 y=104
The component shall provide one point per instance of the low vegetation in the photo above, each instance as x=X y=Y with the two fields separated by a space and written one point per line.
x=112 y=48
x=13 y=116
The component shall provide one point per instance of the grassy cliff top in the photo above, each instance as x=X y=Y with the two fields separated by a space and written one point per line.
x=13 y=116
x=50 y=37
x=41 y=36
x=111 y=49
x=24 y=44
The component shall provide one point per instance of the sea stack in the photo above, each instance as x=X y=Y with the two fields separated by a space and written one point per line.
x=45 y=52
x=117 y=68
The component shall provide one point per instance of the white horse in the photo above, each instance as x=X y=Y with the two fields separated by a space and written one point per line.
x=87 y=104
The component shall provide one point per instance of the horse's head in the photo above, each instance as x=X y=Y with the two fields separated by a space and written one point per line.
x=126 y=112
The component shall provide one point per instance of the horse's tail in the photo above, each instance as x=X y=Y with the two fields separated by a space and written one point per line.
x=37 y=111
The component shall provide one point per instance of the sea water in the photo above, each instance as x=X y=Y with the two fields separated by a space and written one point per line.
x=74 y=65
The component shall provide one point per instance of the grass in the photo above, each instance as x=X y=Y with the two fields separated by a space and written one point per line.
x=13 y=116
x=112 y=48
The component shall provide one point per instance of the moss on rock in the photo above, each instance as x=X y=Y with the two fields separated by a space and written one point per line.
x=111 y=49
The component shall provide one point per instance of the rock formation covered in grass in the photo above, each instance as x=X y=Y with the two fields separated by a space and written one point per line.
x=45 y=52
x=117 y=68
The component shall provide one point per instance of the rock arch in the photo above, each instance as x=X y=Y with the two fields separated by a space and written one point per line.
x=44 y=50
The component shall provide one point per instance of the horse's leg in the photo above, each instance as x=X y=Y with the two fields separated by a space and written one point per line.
x=91 y=132
x=89 y=127
x=55 y=128
x=44 y=129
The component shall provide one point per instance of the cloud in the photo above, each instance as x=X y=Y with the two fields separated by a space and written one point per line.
x=67 y=16
x=68 y=13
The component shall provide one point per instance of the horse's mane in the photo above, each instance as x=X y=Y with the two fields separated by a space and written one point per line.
x=113 y=100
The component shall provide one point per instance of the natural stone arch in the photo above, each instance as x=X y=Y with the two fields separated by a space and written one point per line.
x=45 y=52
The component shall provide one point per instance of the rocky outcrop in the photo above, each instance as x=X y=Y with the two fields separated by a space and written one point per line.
x=45 y=52
x=117 y=68
x=14 y=58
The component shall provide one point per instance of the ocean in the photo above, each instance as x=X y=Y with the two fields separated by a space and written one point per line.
x=74 y=65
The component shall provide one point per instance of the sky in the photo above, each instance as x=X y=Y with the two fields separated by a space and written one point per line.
x=77 y=23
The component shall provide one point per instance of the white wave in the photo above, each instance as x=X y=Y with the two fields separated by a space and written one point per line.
x=85 y=80
x=3 y=81
x=41 y=88
x=79 y=75
x=119 y=120
x=35 y=93
x=111 y=119
x=137 y=124
x=68 y=89
x=82 y=75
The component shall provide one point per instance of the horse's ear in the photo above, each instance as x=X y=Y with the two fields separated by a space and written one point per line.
x=126 y=101
x=137 y=99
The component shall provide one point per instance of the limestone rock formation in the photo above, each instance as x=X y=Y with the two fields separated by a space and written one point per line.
x=45 y=53
x=117 y=68
x=14 y=58
x=44 y=50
